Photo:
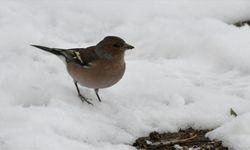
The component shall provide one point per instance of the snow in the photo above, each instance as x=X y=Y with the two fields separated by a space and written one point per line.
x=188 y=68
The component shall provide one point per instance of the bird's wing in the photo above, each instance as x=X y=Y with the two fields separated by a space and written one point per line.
x=82 y=56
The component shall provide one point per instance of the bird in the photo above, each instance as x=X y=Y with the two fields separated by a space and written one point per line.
x=96 y=67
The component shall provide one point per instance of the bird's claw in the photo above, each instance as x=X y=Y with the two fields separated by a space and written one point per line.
x=84 y=99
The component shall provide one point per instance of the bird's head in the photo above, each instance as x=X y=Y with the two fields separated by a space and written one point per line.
x=112 y=46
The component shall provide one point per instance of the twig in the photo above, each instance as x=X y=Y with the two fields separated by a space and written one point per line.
x=174 y=141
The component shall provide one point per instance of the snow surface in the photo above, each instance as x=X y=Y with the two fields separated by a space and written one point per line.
x=189 y=67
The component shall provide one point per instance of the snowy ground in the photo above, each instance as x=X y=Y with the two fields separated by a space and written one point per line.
x=188 y=69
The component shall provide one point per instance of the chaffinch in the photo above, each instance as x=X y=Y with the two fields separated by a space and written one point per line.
x=95 y=67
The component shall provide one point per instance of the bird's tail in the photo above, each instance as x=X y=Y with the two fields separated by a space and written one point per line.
x=67 y=55
x=55 y=51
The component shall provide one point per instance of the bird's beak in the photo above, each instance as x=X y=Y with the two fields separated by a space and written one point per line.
x=127 y=46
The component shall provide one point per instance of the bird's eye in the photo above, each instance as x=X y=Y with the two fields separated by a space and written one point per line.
x=118 y=45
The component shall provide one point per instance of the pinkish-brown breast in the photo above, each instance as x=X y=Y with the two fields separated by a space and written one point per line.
x=100 y=74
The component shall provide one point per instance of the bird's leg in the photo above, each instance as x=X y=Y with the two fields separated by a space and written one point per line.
x=84 y=99
x=96 y=93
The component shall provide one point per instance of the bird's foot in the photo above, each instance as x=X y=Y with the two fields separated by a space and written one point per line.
x=84 y=99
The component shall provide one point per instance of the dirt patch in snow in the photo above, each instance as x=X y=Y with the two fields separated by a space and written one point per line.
x=242 y=23
x=188 y=139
